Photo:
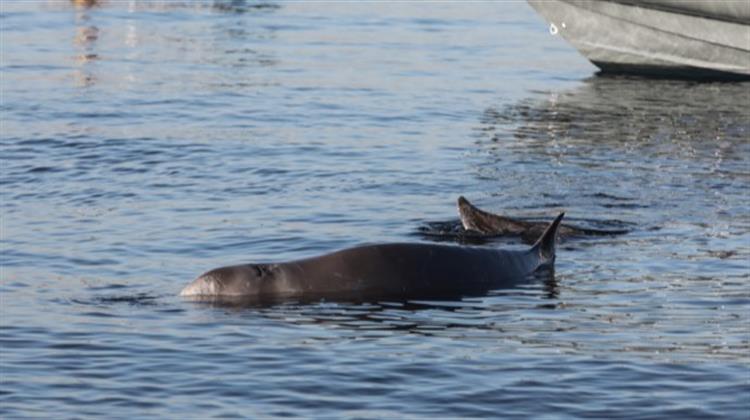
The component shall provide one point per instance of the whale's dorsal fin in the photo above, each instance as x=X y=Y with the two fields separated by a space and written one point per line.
x=472 y=218
x=545 y=245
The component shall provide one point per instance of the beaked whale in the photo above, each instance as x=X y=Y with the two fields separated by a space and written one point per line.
x=485 y=223
x=398 y=270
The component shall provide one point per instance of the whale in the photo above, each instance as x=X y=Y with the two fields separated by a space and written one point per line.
x=480 y=222
x=382 y=271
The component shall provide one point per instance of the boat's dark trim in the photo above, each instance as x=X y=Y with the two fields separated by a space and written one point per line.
x=670 y=72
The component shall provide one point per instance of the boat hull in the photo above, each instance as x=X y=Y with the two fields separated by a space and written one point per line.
x=637 y=37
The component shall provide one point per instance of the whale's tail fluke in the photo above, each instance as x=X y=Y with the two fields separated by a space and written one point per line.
x=475 y=219
x=545 y=245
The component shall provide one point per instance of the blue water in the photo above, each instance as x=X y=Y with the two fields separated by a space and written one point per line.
x=146 y=142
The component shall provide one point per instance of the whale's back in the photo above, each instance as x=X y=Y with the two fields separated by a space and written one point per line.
x=410 y=270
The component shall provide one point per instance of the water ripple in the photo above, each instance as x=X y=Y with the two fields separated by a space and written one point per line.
x=144 y=143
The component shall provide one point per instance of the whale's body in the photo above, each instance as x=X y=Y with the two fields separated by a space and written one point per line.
x=398 y=270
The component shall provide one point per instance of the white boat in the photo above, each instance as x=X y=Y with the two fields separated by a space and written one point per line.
x=688 y=38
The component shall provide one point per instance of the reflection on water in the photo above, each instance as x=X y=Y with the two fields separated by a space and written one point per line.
x=86 y=4
x=220 y=6
x=85 y=41
x=227 y=44
x=618 y=146
x=688 y=118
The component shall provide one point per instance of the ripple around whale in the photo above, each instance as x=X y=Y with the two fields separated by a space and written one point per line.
x=453 y=231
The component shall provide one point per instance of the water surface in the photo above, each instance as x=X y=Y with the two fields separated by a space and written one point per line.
x=144 y=143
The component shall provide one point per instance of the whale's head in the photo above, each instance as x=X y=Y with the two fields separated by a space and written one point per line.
x=238 y=280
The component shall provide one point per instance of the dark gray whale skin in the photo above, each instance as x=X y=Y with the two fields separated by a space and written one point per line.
x=476 y=220
x=399 y=270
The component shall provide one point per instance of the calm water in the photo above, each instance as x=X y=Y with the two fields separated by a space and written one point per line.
x=144 y=143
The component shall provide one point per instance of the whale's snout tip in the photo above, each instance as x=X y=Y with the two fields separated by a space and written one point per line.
x=204 y=285
x=188 y=290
